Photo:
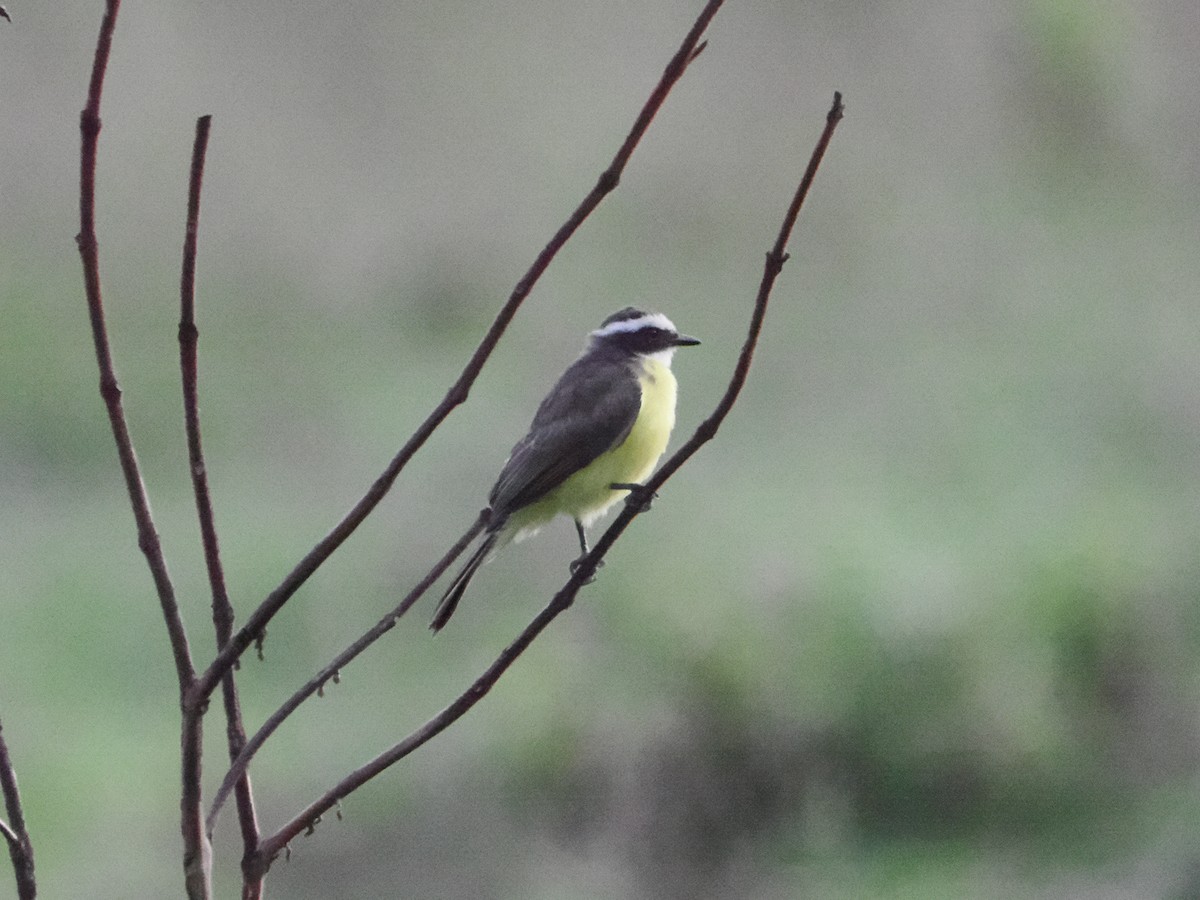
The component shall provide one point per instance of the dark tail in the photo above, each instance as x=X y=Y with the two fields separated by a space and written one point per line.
x=449 y=601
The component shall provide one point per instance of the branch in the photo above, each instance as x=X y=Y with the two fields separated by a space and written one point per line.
x=222 y=609
x=459 y=391
x=20 y=848
x=89 y=125
x=188 y=340
x=707 y=429
x=195 y=848
x=191 y=746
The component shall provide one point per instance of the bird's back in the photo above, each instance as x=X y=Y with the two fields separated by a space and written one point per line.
x=574 y=463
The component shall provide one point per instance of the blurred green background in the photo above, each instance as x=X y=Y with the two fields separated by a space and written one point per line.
x=921 y=622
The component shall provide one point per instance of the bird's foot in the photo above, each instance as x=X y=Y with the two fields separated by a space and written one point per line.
x=576 y=563
x=639 y=497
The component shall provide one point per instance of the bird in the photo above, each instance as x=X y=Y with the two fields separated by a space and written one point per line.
x=594 y=439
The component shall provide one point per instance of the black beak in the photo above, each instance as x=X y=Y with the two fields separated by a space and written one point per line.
x=682 y=340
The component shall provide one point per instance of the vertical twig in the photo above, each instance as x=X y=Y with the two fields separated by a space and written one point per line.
x=20 y=847
x=459 y=391
x=195 y=847
x=776 y=257
x=222 y=609
x=110 y=390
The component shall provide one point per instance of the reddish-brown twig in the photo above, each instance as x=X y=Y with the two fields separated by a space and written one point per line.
x=707 y=429
x=110 y=390
x=195 y=846
x=222 y=609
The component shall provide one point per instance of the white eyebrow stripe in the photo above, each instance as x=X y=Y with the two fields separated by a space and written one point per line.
x=651 y=320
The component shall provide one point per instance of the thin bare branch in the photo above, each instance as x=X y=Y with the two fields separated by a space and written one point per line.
x=195 y=846
x=776 y=257
x=222 y=609
x=20 y=848
x=89 y=124
x=317 y=683
x=459 y=391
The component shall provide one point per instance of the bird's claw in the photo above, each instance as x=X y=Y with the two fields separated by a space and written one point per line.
x=639 y=498
x=576 y=563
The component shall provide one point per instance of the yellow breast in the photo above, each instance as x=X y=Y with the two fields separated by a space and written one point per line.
x=586 y=495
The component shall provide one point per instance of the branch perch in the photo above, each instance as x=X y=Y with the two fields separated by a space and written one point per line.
x=690 y=48
x=776 y=257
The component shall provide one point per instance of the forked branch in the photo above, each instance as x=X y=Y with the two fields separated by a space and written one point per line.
x=689 y=49
x=707 y=429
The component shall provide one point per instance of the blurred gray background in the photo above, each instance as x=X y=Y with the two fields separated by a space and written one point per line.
x=921 y=622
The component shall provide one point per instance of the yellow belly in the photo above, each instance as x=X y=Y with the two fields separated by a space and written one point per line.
x=586 y=495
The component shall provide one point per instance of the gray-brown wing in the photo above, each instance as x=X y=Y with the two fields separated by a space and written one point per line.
x=590 y=410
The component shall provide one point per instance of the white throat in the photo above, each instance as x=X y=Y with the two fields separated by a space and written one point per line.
x=661 y=356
